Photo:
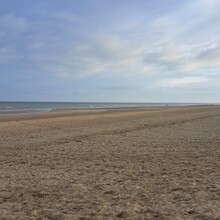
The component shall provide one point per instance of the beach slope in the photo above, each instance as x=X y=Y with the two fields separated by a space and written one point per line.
x=134 y=163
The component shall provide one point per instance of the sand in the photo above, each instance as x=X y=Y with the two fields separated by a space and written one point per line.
x=149 y=163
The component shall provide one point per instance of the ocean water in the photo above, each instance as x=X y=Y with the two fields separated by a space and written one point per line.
x=37 y=107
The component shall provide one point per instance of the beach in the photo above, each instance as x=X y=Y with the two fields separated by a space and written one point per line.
x=128 y=163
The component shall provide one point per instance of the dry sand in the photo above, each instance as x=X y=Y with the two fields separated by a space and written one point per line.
x=152 y=163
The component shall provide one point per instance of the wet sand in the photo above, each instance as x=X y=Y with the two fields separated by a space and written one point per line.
x=150 y=163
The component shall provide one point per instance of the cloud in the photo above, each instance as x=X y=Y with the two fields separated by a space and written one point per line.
x=191 y=58
x=211 y=54
x=12 y=23
x=79 y=51
x=8 y=55
x=98 y=54
x=184 y=82
x=68 y=45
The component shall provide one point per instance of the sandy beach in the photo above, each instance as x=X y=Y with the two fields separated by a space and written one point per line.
x=134 y=163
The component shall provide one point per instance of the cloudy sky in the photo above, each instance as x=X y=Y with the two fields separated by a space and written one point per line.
x=110 y=50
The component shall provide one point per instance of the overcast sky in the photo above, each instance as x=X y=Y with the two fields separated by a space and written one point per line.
x=110 y=50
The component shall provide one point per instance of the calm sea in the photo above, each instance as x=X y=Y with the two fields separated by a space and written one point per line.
x=37 y=107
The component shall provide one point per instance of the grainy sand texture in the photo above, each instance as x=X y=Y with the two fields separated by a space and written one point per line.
x=150 y=163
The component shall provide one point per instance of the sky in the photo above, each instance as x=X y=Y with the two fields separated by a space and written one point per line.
x=110 y=50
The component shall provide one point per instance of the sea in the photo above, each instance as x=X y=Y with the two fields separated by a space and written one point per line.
x=38 y=107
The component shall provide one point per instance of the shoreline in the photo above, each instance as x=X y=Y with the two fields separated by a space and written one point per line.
x=62 y=113
x=19 y=112
x=39 y=110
